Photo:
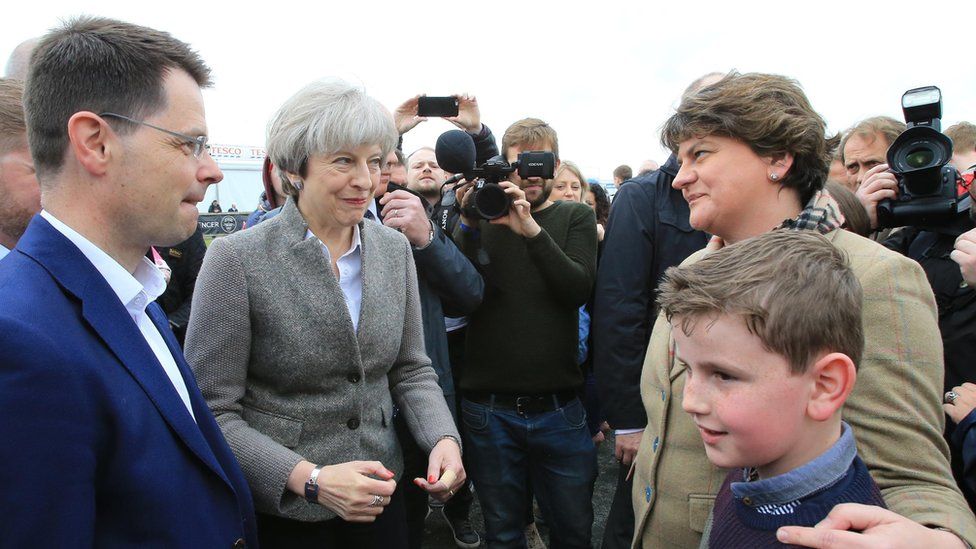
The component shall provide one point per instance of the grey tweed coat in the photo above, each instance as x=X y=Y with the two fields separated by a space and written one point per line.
x=276 y=357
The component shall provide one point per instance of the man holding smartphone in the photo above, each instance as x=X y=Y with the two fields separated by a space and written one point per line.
x=449 y=284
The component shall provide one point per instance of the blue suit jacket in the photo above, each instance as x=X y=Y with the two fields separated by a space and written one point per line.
x=96 y=447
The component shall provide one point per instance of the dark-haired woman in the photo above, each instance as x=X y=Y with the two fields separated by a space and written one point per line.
x=754 y=157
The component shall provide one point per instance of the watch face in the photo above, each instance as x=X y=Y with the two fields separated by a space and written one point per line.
x=311 y=492
x=312 y=487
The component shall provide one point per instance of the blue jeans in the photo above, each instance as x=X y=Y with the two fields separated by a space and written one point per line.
x=551 y=451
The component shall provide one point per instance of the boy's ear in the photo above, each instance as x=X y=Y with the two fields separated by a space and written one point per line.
x=833 y=377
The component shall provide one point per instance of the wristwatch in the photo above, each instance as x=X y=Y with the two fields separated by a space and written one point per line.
x=312 y=485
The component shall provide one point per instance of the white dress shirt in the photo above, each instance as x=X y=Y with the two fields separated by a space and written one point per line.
x=3 y=251
x=350 y=273
x=136 y=291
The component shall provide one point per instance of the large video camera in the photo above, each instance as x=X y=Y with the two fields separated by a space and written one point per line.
x=455 y=153
x=919 y=158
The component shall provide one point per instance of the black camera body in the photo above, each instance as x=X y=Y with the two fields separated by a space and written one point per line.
x=919 y=158
x=488 y=199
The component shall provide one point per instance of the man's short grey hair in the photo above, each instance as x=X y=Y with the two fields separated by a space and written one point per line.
x=425 y=148
x=885 y=126
x=323 y=118
x=19 y=60
x=703 y=81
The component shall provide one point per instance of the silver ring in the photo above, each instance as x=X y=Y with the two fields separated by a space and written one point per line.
x=451 y=493
x=394 y=212
x=377 y=500
x=950 y=397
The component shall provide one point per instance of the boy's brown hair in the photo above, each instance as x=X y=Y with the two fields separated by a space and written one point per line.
x=794 y=290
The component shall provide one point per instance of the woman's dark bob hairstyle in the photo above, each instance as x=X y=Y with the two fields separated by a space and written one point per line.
x=767 y=112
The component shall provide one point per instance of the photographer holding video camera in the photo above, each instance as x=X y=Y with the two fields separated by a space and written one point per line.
x=523 y=421
x=920 y=189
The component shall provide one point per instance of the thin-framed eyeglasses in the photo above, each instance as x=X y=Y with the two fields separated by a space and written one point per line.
x=198 y=144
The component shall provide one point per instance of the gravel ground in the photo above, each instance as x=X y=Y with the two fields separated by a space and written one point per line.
x=438 y=535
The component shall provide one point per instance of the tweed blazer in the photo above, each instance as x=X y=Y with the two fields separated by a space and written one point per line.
x=281 y=367
x=895 y=411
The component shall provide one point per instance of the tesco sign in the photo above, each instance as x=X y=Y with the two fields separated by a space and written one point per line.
x=238 y=153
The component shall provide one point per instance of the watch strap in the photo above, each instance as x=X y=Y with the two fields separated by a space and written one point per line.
x=312 y=485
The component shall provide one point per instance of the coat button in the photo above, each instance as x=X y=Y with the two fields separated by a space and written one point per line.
x=353 y=377
x=240 y=543
x=353 y=423
x=747 y=500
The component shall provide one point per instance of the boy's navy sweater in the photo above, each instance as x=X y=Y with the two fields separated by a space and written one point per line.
x=744 y=521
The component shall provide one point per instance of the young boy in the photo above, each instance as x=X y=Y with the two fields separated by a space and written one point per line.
x=770 y=331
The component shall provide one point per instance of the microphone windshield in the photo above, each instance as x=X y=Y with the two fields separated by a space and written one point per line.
x=455 y=152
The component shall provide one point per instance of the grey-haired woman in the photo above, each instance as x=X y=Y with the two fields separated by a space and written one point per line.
x=306 y=330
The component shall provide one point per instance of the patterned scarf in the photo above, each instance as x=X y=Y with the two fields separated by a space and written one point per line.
x=822 y=214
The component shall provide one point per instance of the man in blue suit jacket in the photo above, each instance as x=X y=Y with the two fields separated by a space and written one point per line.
x=105 y=439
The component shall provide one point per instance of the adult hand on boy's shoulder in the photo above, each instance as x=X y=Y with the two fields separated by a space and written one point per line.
x=852 y=525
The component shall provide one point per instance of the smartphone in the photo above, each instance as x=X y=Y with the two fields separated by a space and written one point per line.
x=437 y=106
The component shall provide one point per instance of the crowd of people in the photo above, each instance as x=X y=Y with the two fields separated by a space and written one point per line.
x=771 y=362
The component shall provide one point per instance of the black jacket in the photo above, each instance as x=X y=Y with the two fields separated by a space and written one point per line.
x=449 y=284
x=956 y=302
x=184 y=259
x=647 y=232
x=955 y=299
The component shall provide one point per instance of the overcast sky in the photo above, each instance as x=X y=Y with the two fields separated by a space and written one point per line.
x=604 y=74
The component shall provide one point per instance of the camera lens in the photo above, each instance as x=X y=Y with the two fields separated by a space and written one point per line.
x=919 y=157
x=921 y=149
x=491 y=201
